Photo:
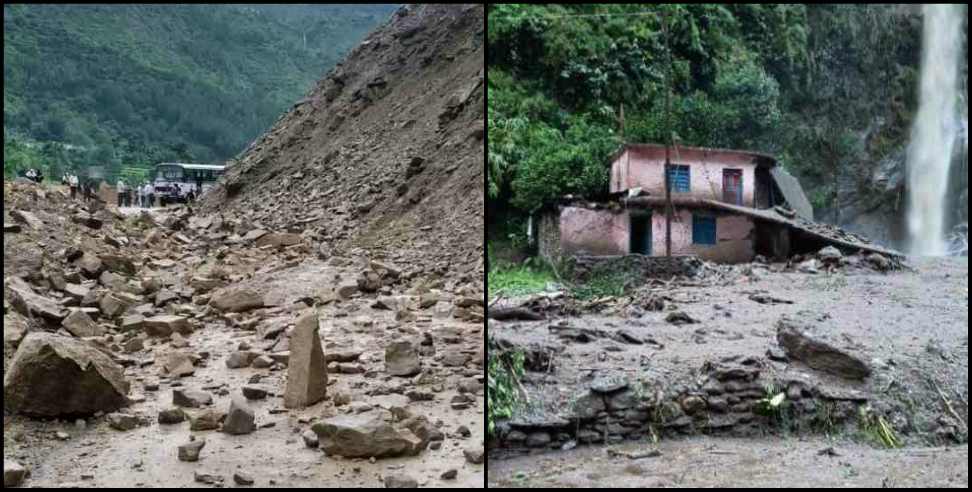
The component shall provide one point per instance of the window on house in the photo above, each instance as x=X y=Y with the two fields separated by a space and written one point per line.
x=679 y=178
x=732 y=186
x=703 y=230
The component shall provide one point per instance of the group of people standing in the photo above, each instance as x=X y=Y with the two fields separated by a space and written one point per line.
x=76 y=184
x=136 y=196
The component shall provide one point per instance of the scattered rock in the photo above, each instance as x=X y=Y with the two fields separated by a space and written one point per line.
x=254 y=392
x=241 y=359
x=365 y=435
x=240 y=418
x=802 y=344
x=399 y=482
x=52 y=375
x=450 y=474
x=475 y=456
x=236 y=299
x=190 y=398
x=171 y=416
x=13 y=473
x=679 y=318
x=242 y=478
x=307 y=371
x=204 y=420
x=79 y=324
x=178 y=364
x=190 y=451
x=310 y=438
x=402 y=359
x=122 y=421
x=164 y=325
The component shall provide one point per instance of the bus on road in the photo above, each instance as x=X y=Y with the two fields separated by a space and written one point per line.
x=177 y=182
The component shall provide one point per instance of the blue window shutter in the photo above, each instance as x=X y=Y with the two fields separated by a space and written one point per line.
x=703 y=230
x=679 y=179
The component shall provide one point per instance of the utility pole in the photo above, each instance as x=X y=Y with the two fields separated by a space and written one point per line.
x=668 y=141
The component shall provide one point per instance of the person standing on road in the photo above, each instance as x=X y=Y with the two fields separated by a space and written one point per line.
x=150 y=194
x=73 y=183
x=121 y=193
x=140 y=190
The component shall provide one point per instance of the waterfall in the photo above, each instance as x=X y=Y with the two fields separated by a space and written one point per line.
x=935 y=129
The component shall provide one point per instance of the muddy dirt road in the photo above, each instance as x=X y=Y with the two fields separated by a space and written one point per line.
x=356 y=327
x=705 y=462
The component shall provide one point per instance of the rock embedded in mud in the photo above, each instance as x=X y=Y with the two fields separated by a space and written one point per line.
x=122 y=421
x=240 y=359
x=679 y=318
x=52 y=375
x=475 y=456
x=693 y=405
x=369 y=282
x=402 y=359
x=171 y=416
x=251 y=392
x=190 y=398
x=399 y=482
x=164 y=325
x=310 y=438
x=13 y=473
x=538 y=440
x=236 y=299
x=307 y=370
x=609 y=384
x=801 y=343
x=365 y=435
x=178 y=364
x=204 y=420
x=242 y=478
x=278 y=239
x=449 y=474
x=239 y=418
x=79 y=324
x=190 y=451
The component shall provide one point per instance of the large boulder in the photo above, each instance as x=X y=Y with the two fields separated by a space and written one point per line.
x=365 y=435
x=236 y=299
x=307 y=369
x=802 y=343
x=54 y=376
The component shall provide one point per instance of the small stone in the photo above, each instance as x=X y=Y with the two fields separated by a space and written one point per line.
x=240 y=418
x=122 y=421
x=310 y=438
x=475 y=456
x=262 y=362
x=171 y=416
x=190 y=398
x=190 y=451
x=242 y=478
x=401 y=359
x=400 y=482
x=463 y=431
x=254 y=392
x=450 y=474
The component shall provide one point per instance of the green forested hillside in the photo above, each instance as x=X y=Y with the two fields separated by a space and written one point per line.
x=126 y=85
x=830 y=89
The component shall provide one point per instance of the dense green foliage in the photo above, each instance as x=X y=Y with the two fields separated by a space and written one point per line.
x=803 y=82
x=142 y=83
x=503 y=372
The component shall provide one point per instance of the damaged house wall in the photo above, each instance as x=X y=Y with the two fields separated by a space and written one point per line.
x=643 y=166
x=584 y=231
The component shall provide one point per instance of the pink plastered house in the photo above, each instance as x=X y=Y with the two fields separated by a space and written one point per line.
x=726 y=204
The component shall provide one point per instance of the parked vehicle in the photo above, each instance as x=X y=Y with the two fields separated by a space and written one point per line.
x=177 y=182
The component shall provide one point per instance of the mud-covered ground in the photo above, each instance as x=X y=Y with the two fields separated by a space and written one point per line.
x=706 y=462
x=910 y=326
